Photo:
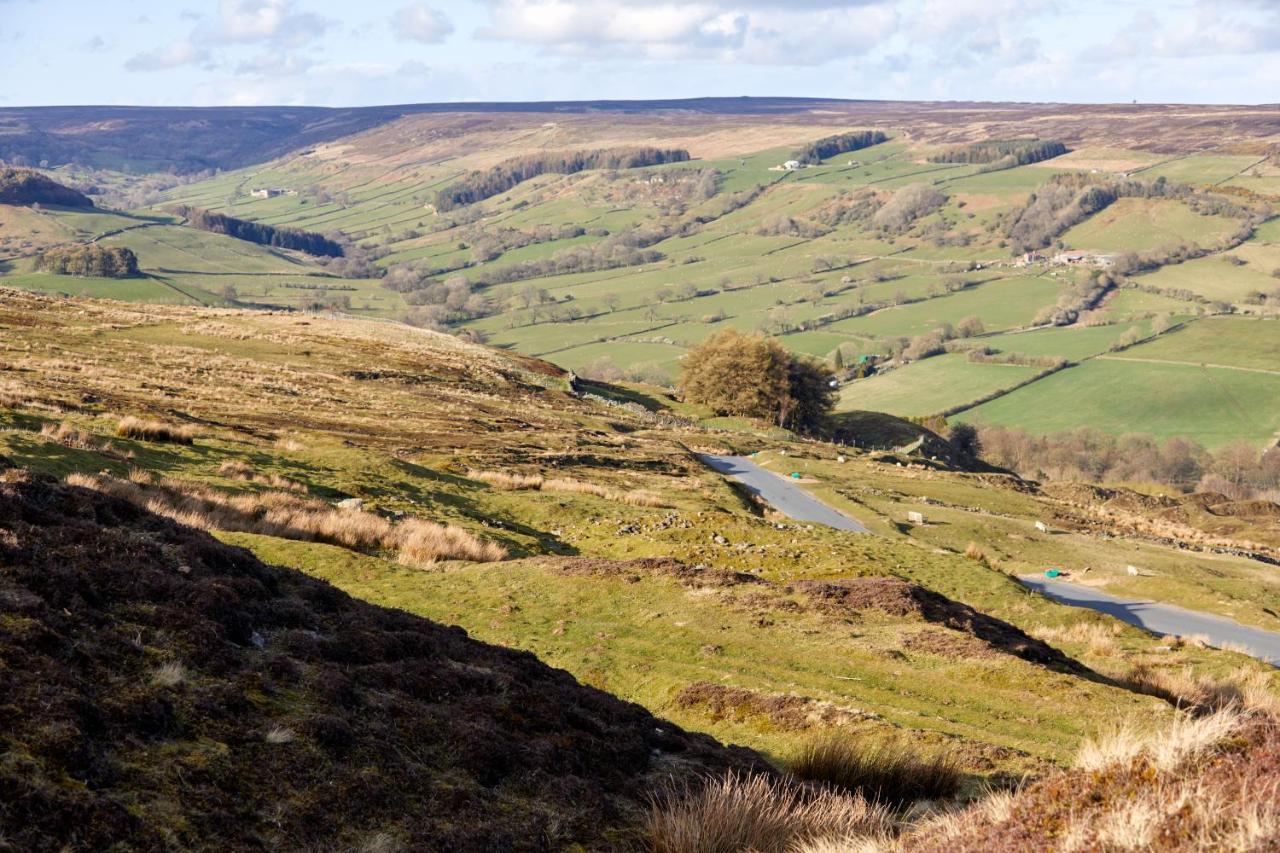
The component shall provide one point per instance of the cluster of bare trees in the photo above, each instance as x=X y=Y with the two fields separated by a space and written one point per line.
x=934 y=342
x=789 y=226
x=907 y=205
x=1068 y=199
x=1239 y=470
x=487 y=245
x=1080 y=296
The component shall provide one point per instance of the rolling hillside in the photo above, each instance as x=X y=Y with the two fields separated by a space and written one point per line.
x=459 y=485
x=617 y=273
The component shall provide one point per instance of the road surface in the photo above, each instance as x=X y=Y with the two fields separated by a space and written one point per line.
x=1164 y=618
x=780 y=493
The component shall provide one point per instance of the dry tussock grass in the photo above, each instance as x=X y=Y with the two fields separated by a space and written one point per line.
x=887 y=770
x=13 y=395
x=1098 y=639
x=418 y=542
x=159 y=431
x=1246 y=688
x=69 y=436
x=169 y=674
x=865 y=844
x=1202 y=783
x=758 y=813
x=1166 y=749
x=234 y=469
x=535 y=482
x=973 y=551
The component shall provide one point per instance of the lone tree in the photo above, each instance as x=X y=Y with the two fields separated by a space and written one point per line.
x=964 y=438
x=754 y=376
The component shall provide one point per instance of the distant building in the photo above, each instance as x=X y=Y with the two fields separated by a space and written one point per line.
x=791 y=165
x=1072 y=259
x=266 y=192
x=1030 y=259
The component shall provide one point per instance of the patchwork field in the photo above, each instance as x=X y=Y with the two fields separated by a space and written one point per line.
x=621 y=272
x=1213 y=406
x=931 y=386
x=1139 y=225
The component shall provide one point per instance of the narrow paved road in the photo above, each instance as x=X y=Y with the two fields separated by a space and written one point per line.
x=1163 y=618
x=780 y=493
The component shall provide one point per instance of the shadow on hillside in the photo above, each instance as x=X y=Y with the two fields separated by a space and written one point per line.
x=622 y=395
x=469 y=508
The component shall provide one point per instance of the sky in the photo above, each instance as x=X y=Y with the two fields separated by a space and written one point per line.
x=344 y=53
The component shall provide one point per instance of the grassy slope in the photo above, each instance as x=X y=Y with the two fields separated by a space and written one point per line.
x=1213 y=406
x=932 y=385
x=1137 y=225
x=313 y=418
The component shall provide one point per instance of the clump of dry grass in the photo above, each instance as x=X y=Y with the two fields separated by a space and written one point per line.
x=1246 y=688
x=758 y=813
x=639 y=497
x=422 y=543
x=69 y=436
x=1202 y=783
x=886 y=770
x=286 y=515
x=158 y=431
x=1099 y=639
x=973 y=551
x=235 y=469
x=170 y=674
x=1187 y=738
x=507 y=482
x=280 y=735
x=535 y=482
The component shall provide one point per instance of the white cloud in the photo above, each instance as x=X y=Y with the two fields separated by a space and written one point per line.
x=763 y=32
x=419 y=22
x=1218 y=28
x=173 y=55
x=274 y=21
x=275 y=65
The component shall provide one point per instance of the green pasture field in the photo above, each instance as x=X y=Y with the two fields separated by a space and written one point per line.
x=1216 y=277
x=1072 y=342
x=1137 y=225
x=174 y=248
x=123 y=289
x=664 y=358
x=1244 y=342
x=931 y=385
x=1110 y=160
x=1213 y=406
x=1003 y=304
x=1130 y=302
x=1008 y=184
x=1202 y=169
x=1268 y=232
